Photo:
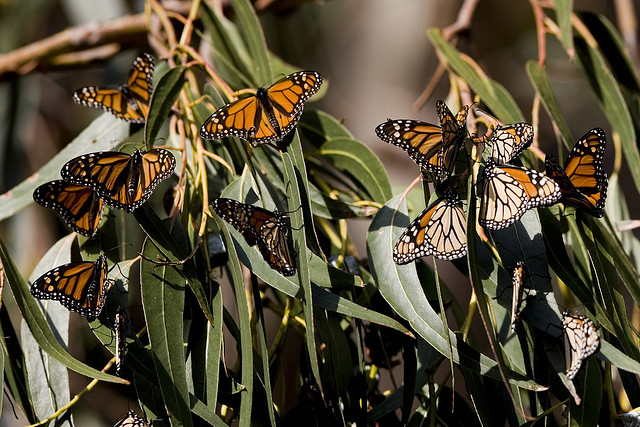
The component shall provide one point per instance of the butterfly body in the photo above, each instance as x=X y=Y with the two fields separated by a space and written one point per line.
x=583 y=338
x=261 y=228
x=583 y=181
x=434 y=148
x=79 y=286
x=78 y=205
x=517 y=282
x=269 y=115
x=120 y=328
x=130 y=101
x=509 y=191
x=440 y=230
x=121 y=180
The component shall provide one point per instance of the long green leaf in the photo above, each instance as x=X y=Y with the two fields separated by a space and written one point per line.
x=492 y=93
x=167 y=90
x=251 y=31
x=358 y=161
x=244 y=324
x=163 y=295
x=605 y=87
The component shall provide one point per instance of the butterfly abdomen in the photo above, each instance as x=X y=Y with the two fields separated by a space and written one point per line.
x=267 y=107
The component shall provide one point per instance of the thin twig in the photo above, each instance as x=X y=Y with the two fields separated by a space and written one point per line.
x=462 y=23
x=42 y=53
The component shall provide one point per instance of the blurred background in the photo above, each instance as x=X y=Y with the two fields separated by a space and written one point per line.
x=377 y=61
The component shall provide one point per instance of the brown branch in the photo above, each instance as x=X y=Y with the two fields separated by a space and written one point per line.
x=43 y=53
x=462 y=24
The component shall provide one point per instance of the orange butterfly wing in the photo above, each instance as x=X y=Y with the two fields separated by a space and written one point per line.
x=269 y=115
x=583 y=181
x=261 y=228
x=79 y=206
x=434 y=148
x=131 y=101
x=121 y=180
x=440 y=230
x=79 y=286
x=509 y=191
x=508 y=142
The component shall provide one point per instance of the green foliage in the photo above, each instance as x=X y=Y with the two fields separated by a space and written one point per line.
x=352 y=317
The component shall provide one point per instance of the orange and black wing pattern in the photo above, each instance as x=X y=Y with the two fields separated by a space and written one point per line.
x=583 y=338
x=440 y=230
x=130 y=102
x=269 y=115
x=583 y=181
x=121 y=180
x=79 y=286
x=259 y=227
x=432 y=147
x=78 y=205
x=508 y=142
x=509 y=191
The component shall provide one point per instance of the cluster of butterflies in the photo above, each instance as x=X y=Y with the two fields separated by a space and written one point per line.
x=507 y=191
x=117 y=179
x=266 y=117
x=127 y=181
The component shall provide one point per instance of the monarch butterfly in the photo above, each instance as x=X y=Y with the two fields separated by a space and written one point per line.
x=120 y=328
x=259 y=227
x=518 y=287
x=79 y=286
x=434 y=148
x=121 y=180
x=130 y=101
x=508 y=142
x=439 y=230
x=269 y=115
x=132 y=420
x=583 y=338
x=583 y=182
x=79 y=206
x=509 y=191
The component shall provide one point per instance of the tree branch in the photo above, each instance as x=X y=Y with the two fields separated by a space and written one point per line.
x=43 y=53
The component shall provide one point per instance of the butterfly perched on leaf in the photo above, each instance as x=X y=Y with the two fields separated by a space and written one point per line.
x=583 y=338
x=583 y=181
x=259 y=227
x=121 y=180
x=517 y=282
x=433 y=147
x=440 y=230
x=130 y=101
x=508 y=142
x=78 y=205
x=269 y=115
x=120 y=328
x=132 y=420
x=509 y=191
x=79 y=286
